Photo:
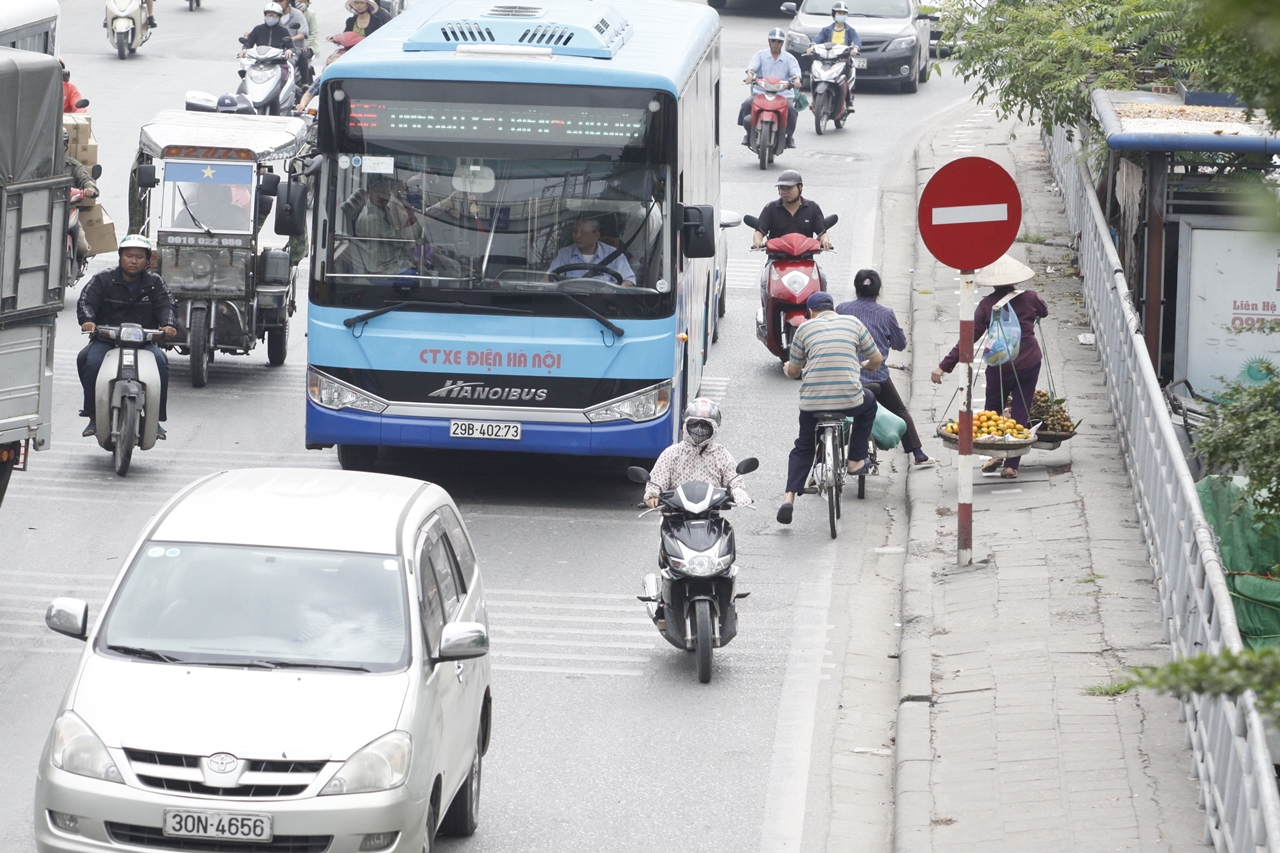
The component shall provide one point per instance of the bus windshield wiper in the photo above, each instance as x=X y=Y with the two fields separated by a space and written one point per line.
x=595 y=315
x=146 y=654
x=431 y=306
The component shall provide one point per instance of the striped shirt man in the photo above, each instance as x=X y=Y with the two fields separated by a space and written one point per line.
x=829 y=350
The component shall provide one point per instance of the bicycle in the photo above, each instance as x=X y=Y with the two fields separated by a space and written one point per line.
x=826 y=477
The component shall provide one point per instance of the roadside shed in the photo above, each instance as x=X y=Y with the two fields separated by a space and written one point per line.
x=1180 y=193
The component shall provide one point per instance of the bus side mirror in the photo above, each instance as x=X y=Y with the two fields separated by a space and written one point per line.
x=268 y=184
x=147 y=176
x=698 y=231
x=291 y=211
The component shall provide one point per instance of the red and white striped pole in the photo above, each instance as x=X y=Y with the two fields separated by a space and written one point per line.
x=964 y=472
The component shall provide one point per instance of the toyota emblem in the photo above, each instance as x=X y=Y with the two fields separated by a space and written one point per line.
x=223 y=762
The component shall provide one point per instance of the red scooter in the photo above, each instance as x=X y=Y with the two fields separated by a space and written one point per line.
x=767 y=135
x=789 y=278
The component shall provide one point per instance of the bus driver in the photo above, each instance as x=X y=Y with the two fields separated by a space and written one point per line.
x=587 y=249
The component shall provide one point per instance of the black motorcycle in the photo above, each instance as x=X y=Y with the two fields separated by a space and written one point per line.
x=692 y=602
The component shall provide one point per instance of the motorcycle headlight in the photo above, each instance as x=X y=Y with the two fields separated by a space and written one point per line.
x=641 y=406
x=332 y=394
x=795 y=281
x=76 y=749
x=261 y=74
x=700 y=565
x=380 y=766
x=132 y=334
x=201 y=264
x=902 y=43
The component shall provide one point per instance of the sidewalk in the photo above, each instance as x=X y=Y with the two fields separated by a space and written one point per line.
x=998 y=748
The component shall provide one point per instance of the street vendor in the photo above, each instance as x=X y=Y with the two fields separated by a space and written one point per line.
x=1019 y=376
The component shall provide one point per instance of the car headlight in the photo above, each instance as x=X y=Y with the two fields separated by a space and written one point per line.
x=902 y=43
x=380 y=766
x=332 y=394
x=796 y=281
x=76 y=749
x=261 y=74
x=798 y=39
x=641 y=406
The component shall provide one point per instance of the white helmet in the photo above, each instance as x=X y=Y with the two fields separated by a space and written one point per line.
x=701 y=420
x=135 y=241
x=777 y=34
x=273 y=9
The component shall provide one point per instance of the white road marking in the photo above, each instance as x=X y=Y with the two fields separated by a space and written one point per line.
x=564 y=670
x=585 y=644
x=969 y=213
x=542 y=656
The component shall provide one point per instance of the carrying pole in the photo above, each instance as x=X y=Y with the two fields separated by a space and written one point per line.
x=964 y=423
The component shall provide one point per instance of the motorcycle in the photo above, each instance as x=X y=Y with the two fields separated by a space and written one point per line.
x=127 y=392
x=833 y=76
x=126 y=25
x=269 y=79
x=767 y=134
x=788 y=279
x=692 y=603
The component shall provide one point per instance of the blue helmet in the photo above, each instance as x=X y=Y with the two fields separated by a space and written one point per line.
x=777 y=34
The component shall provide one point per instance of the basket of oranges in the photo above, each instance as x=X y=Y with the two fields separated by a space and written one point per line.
x=991 y=431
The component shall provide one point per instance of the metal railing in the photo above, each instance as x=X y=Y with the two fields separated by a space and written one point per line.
x=1231 y=761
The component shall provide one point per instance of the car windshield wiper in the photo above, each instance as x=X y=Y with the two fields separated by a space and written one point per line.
x=596 y=315
x=299 y=664
x=431 y=306
x=146 y=654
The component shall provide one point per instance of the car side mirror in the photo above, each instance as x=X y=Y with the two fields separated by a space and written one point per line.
x=69 y=616
x=463 y=641
x=147 y=176
x=751 y=222
x=925 y=16
x=636 y=474
x=789 y=8
x=746 y=466
x=82 y=104
x=699 y=237
x=96 y=171
x=268 y=184
x=830 y=222
x=729 y=219
x=291 y=211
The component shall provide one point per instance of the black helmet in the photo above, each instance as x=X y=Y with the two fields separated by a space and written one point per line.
x=227 y=104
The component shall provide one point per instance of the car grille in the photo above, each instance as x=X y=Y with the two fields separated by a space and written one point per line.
x=262 y=778
x=154 y=837
x=870 y=44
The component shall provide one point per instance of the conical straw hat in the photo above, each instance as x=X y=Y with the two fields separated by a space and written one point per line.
x=1004 y=272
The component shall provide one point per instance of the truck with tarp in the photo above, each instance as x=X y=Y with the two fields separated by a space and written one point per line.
x=35 y=254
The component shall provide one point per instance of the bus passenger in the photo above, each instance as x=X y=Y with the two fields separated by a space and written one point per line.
x=587 y=249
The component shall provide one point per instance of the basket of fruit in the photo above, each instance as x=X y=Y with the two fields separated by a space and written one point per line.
x=991 y=432
x=1055 y=424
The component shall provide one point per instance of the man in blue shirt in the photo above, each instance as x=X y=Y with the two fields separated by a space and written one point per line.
x=587 y=249
x=773 y=62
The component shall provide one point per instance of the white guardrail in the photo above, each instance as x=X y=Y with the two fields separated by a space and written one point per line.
x=1231 y=761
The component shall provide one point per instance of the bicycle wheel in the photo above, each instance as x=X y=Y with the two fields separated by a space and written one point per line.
x=833 y=495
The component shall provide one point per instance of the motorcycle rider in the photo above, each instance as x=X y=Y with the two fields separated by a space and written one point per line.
x=839 y=32
x=81 y=179
x=126 y=294
x=696 y=457
x=775 y=62
x=300 y=36
x=828 y=354
x=269 y=32
x=791 y=213
x=70 y=94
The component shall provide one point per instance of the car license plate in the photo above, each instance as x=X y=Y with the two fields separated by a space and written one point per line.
x=859 y=62
x=484 y=429
x=180 y=823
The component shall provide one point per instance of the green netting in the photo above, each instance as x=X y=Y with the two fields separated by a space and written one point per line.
x=1251 y=558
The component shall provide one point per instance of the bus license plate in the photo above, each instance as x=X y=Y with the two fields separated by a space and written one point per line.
x=484 y=429
x=859 y=62
x=223 y=825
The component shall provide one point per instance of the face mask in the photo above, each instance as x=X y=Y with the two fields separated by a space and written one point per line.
x=699 y=432
x=272 y=20
x=840 y=19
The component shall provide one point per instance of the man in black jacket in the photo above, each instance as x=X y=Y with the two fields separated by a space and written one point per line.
x=126 y=294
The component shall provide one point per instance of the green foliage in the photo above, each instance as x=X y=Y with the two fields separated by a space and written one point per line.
x=1034 y=58
x=1238 y=43
x=1225 y=674
x=1246 y=440
x=1115 y=688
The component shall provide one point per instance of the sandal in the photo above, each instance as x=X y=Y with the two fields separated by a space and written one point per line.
x=856 y=471
x=1009 y=473
x=90 y=431
x=784 y=513
x=991 y=465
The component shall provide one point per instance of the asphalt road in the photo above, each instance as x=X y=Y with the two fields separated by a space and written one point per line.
x=603 y=738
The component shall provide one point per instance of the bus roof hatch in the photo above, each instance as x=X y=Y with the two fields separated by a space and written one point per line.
x=563 y=28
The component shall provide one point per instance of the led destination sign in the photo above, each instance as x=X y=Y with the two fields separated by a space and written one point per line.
x=546 y=125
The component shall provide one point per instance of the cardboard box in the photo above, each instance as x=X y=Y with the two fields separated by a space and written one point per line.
x=102 y=238
x=91 y=216
x=86 y=154
x=78 y=127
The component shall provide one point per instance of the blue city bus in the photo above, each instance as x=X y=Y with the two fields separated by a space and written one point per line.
x=465 y=148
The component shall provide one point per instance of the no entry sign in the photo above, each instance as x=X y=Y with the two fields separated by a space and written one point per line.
x=970 y=212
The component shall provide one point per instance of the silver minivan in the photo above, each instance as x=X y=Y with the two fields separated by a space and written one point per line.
x=290 y=660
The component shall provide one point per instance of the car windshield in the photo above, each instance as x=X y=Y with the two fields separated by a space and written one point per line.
x=861 y=8
x=231 y=604
x=207 y=196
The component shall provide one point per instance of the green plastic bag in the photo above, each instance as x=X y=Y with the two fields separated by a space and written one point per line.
x=887 y=430
x=802 y=103
x=1249 y=554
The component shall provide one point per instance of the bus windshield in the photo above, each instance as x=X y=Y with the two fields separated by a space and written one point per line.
x=501 y=205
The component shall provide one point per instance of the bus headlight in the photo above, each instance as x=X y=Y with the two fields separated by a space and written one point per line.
x=331 y=394
x=641 y=406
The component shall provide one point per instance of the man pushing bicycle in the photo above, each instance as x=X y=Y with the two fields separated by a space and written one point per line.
x=828 y=353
